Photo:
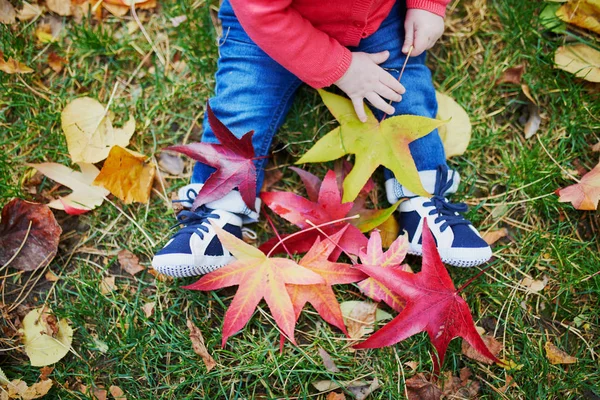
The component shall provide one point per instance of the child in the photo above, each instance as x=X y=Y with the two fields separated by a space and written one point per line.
x=268 y=49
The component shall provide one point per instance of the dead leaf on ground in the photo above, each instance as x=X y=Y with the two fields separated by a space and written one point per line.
x=509 y=383
x=492 y=344
x=533 y=122
x=359 y=388
x=492 y=237
x=127 y=175
x=596 y=147
x=335 y=396
x=178 y=20
x=60 y=7
x=419 y=387
x=512 y=75
x=585 y=194
x=456 y=134
x=120 y=8
x=100 y=393
x=45 y=344
x=18 y=389
x=45 y=372
x=29 y=12
x=89 y=131
x=272 y=177
x=3 y=379
x=558 y=356
x=460 y=387
x=130 y=262
x=158 y=276
x=49 y=29
x=171 y=163
x=51 y=277
x=582 y=13
x=328 y=361
x=534 y=285
x=107 y=284
x=117 y=393
x=579 y=59
x=360 y=317
x=148 y=309
x=56 y=62
x=12 y=66
x=199 y=347
x=29 y=235
x=7 y=12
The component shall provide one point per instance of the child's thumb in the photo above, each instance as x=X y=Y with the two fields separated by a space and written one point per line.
x=409 y=36
x=380 y=57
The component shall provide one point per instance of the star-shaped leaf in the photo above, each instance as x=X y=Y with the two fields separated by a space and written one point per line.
x=585 y=194
x=258 y=277
x=233 y=159
x=432 y=305
x=373 y=144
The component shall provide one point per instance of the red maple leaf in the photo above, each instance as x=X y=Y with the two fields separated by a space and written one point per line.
x=585 y=194
x=321 y=296
x=327 y=207
x=258 y=277
x=393 y=257
x=233 y=159
x=432 y=304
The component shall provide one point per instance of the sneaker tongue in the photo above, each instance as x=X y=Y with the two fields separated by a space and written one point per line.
x=232 y=202
x=396 y=191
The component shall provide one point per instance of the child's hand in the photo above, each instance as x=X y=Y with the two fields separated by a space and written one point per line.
x=421 y=30
x=365 y=79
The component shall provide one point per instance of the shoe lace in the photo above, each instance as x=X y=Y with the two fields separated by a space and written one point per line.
x=445 y=211
x=193 y=221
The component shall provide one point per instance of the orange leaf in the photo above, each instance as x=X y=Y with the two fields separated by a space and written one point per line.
x=12 y=66
x=258 y=277
x=585 y=194
x=126 y=175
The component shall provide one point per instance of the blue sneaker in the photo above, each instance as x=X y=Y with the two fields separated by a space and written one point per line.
x=195 y=249
x=458 y=242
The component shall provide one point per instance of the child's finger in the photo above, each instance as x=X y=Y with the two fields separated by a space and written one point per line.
x=379 y=103
x=420 y=44
x=408 y=36
x=359 y=108
x=388 y=80
x=380 y=57
x=388 y=93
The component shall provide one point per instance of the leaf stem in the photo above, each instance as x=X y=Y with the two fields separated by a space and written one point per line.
x=270 y=221
x=351 y=257
x=467 y=283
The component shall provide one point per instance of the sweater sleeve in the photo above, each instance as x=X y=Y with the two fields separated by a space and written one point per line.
x=292 y=41
x=435 y=6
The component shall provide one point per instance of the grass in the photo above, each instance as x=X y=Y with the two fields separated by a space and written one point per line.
x=116 y=344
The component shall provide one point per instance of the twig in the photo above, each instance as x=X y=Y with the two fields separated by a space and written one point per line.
x=399 y=77
x=20 y=247
x=148 y=38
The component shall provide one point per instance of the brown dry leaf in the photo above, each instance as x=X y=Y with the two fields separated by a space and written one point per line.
x=29 y=12
x=158 y=276
x=117 y=393
x=127 y=175
x=171 y=163
x=491 y=343
x=512 y=75
x=359 y=317
x=60 y=7
x=533 y=285
x=579 y=59
x=420 y=388
x=596 y=147
x=12 y=66
x=29 y=235
x=328 y=361
x=335 y=396
x=17 y=389
x=50 y=29
x=178 y=20
x=583 y=13
x=272 y=177
x=130 y=262
x=533 y=122
x=509 y=383
x=412 y=365
x=359 y=388
x=99 y=393
x=107 y=284
x=199 y=347
x=7 y=12
x=45 y=372
x=557 y=356
x=493 y=236
x=148 y=309
x=56 y=62
x=389 y=231
x=460 y=387
x=51 y=277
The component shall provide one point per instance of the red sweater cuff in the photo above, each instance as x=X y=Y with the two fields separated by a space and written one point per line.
x=344 y=63
x=436 y=7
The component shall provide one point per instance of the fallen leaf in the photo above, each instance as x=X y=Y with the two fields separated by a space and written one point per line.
x=271 y=178
x=107 y=284
x=42 y=348
x=392 y=258
x=533 y=122
x=50 y=29
x=129 y=262
x=579 y=59
x=199 y=347
x=360 y=317
x=327 y=208
x=178 y=20
x=89 y=132
x=492 y=237
x=233 y=160
x=491 y=343
x=99 y=393
x=335 y=396
x=148 y=309
x=45 y=372
x=60 y=7
x=582 y=13
x=419 y=387
x=432 y=304
x=359 y=388
x=117 y=393
x=596 y=147
x=127 y=175
x=51 y=277
x=171 y=163
x=29 y=11
x=461 y=387
x=56 y=62
x=456 y=133
x=388 y=145
x=18 y=389
x=85 y=197
x=257 y=277
x=12 y=66
x=585 y=194
x=558 y=356
x=550 y=21
x=120 y=8
x=328 y=361
x=413 y=365
x=512 y=75
x=3 y=379
x=533 y=285
x=29 y=235
x=509 y=383
x=7 y=12
x=160 y=277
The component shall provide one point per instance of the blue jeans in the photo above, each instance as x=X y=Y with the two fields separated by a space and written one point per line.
x=254 y=92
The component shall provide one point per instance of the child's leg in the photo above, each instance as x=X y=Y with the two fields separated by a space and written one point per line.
x=252 y=92
x=458 y=242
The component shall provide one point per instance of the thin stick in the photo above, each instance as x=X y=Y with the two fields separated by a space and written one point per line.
x=161 y=58
x=400 y=76
x=352 y=258
x=20 y=247
x=270 y=221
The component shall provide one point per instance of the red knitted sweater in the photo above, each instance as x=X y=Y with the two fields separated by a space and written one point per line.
x=308 y=37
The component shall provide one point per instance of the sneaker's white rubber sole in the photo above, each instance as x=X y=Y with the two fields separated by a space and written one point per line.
x=184 y=265
x=458 y=257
